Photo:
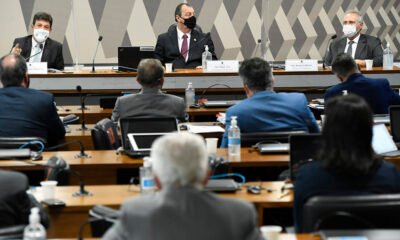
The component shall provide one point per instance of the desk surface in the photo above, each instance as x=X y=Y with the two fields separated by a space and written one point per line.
x=65 y=221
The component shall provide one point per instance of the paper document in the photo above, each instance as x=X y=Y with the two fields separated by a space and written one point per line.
x=205 y=129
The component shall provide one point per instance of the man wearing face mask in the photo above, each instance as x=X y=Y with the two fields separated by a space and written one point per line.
x=183 y=45
x=359 y=46
x=38 y=47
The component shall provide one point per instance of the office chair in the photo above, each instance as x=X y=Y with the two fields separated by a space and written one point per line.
x=34 y=143
x=351 y=212
x=101 y=219
x=105 y=136
x=250 y=139
x=12 y=232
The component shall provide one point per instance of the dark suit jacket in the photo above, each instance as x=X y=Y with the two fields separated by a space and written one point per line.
x=15 y=203
x=368 y=47
x=52 y=51
x=312 y=180
x=28 y=112
x=269 y=111
x=167 y=49
x=376 y=91
x=183 y=213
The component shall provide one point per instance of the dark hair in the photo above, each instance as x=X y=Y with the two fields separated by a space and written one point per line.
x=343 y=65
x=149 y=72
x=256 y=74
x=178 y=9
x=12 y=74
x=347 y=135
x=43 y=16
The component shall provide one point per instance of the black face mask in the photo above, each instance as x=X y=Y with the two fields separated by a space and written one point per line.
x=190 y=22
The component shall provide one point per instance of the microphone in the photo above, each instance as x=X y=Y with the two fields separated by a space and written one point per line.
x=95 y=52
x=41 y=50
x=82 y=99
x=327 y=50
x=81 y=154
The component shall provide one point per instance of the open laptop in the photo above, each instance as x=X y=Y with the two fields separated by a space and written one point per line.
x=145 y=131
x=303 y=149
x=394 y=114
x=129 y=57
x=382 y=142
x=221 y=103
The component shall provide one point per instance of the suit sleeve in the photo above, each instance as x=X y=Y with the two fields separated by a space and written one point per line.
x=159 y=52
x=329 y=56
x=119 y=230
x=394 y=98
x=253 y=232
x=309 y=118
x=59 y=63
x=56 y=128
x=116 y=111
x=211 y=48
x=377 y=52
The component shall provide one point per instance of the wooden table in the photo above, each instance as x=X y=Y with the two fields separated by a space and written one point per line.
x=65 y=221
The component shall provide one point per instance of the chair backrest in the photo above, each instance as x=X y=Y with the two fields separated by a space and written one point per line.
x=394 y=113
x=351 y=212
x=16 y=142
x=250 y=139
x=13 y=232
x=105 y=136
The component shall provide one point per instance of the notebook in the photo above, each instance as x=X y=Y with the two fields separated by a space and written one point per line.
x=129 y=57
x=382 y=142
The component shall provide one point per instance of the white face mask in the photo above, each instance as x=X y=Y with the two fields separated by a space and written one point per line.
x=40 y=35
x=350 y=30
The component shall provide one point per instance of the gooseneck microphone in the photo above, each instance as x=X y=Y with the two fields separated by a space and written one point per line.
x=327 y=50
x=82 y=99
x=41 y=50
x=95 y=52
x=81 y=154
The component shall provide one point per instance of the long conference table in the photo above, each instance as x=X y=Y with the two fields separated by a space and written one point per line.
x=65 y=221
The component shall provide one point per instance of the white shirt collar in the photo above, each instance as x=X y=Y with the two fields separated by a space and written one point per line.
x=355 y=40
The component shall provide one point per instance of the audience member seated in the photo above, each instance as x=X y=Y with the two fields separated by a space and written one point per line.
x=182 y=209
x=376 y=91
x=26 y=112
x=150 y=102
x=265 y=110
x=346 y=163
x=15 y=202
x=183 y=45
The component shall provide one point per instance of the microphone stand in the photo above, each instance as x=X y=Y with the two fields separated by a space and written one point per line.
x=95 y=53
x=81 y=153
x=82 y=192
x=82 y=108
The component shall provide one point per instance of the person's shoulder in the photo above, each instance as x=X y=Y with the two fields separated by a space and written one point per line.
x=369 y=38
x=23 y=39
x=53 y=42
x=16 y=181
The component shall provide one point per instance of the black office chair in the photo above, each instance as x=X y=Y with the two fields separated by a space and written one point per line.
x=101 y=219
x=34 y=143
x=105 y=136
x=351 y=212
x=250 y=139
x=13 y=232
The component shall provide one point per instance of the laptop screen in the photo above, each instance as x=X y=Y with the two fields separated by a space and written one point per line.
x=382 y=142
x=129 y=57
x=143 y=141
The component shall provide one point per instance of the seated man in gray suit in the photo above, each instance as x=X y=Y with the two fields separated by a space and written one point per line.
x=150 y=101
x=181 y=209
x=359 y=46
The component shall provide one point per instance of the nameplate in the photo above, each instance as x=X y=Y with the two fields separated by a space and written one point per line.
x=301 y=65
x=37 y=67
x=223 y=66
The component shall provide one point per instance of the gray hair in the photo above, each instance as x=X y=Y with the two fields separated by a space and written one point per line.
x=150 y=72
x=180 y=159
x=353 y=11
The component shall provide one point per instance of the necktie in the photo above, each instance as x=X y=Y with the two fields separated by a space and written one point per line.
x=36 y=54
x=184 y=48
x=350 y=48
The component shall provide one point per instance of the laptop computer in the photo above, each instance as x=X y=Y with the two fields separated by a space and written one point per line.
x=273 y=147
x=129 y=57
x=144 y=126
x=373 y=234
x=303 y=149
x=221 y=103
x=381 y=118
x=382 y=142
x=394 y=115
x=222 y=185
x=141 y=142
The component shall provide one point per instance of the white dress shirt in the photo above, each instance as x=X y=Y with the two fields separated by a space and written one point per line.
x=354 y=46
x=180 y=41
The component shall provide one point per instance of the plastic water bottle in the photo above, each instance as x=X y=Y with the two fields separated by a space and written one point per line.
x=147 y=184
x=35 y=230
x=206 y=57
x=190 y=95
x=387 y=57
x=234 y=138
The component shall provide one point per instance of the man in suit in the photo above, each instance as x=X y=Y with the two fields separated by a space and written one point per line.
x=359 y=46
x=182 y=209
x=376 y=91
x=183 y=45
x=265 y=110
x=15 y=202
x=23 y=111
x=38 y=47
x=150 y=101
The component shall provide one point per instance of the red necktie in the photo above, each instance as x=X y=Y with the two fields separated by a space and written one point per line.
x=184 y=48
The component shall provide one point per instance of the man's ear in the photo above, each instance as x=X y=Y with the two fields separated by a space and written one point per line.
x=205 y=180
x=26 y=81
x=249 y=93
x=157 y=182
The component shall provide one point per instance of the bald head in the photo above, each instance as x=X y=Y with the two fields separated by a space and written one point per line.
x=13 y=70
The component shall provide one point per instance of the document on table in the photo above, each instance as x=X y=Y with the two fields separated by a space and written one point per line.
x=204 y=129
